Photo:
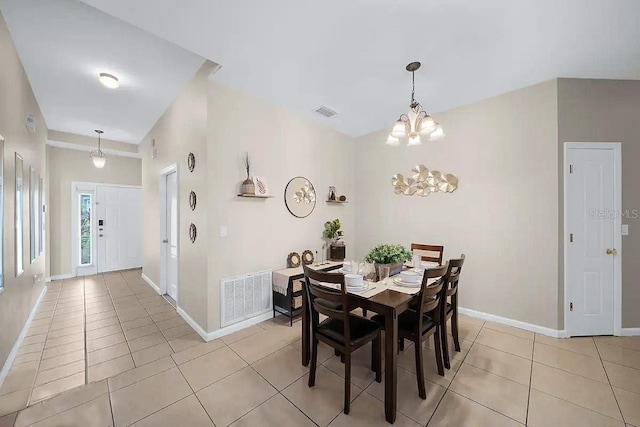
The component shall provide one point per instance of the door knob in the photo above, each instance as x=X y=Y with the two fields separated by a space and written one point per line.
x=165 y=241
x=612 y=252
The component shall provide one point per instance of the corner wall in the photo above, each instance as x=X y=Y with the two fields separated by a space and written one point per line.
x=282 y=145
x=605 y=111
x=16 y=101
x=503 y=216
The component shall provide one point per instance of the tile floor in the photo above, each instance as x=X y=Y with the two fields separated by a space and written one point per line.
x=151 y=370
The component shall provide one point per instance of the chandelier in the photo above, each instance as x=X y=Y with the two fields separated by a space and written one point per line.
x=416 y=123
x=98 y=156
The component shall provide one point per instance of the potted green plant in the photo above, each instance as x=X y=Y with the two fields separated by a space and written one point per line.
x=337 y=249
x=393 y=256
x=248 y=187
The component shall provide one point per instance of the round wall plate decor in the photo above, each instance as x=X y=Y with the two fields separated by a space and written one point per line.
x=191 y=162
x=307 y=257
x=193 y=233
x=193 y=200
x=293 y=260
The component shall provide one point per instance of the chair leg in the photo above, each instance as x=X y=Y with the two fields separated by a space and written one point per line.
x=420 y=370
x=376 y=358
x=400 y=344
x=347 y=383
x=436 y=342
x=445 y=345
x=364 y=312
x=454 y=329
x=314 y=362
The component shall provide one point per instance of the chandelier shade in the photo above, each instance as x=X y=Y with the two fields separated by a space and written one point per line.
x=98 y=156
x=417 y=122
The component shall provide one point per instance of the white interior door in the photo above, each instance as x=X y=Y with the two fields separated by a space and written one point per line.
x=171 y=237
x=591 y=224
x=119 y=216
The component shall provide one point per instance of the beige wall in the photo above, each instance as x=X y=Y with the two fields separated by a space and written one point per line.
x=17 y=100
x=65 y=167
x=504 y=214
x=181 y=129
x=606 y=111
x=282 y=145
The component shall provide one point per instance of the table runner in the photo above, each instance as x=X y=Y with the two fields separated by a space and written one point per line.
x=280 y=278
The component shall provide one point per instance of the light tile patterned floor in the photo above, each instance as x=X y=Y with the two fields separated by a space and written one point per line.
x=160 y=374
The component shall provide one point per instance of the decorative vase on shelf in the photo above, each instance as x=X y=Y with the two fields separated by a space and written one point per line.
x=248 y=187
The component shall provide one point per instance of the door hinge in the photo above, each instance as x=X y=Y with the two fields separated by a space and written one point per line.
x=570 y=306
x=570 y=168
x=571 y=237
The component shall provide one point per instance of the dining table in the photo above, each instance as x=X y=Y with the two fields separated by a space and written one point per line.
x=388 y=300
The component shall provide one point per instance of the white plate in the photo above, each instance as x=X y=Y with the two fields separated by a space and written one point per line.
x=399 y=282
x=364 y=287
x=343 y=271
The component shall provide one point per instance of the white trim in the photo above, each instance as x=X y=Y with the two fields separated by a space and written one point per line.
x=163 y=228
x=60 y=277
x=218 y=333
x=555 y=333
x=617 y=233
x=196 y=327
x=629 y=332
x=16 y=346
x=150 y=282
x=89 y=148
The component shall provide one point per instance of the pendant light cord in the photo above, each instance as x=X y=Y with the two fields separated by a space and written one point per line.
x=413 y=87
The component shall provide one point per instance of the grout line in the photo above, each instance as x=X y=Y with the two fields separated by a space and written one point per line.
x=533 y=349
x=610 y=385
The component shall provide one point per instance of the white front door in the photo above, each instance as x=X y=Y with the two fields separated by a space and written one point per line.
x=590 y=226
x=171 y=237
x=119 y=216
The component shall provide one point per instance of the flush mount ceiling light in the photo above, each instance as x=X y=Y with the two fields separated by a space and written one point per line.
x=98 y=156
x=417 y=122
x=109 y=80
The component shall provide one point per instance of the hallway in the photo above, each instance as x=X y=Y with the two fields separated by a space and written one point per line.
x=88 y=329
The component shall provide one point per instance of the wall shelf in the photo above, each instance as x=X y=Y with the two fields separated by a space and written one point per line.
x=254 y=196
x=336 y=202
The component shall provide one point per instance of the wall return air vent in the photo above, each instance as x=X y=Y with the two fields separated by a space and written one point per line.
x=325 y=111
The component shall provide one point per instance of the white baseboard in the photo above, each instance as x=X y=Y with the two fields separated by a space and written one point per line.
x=629 y=332
x=150 y=282
x=16 y=346
x=60 y=277
x=218 y=333
x=193 y=324
x=555 y=333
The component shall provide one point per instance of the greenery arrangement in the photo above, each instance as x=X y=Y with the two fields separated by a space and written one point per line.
x=332 y=230
x=388 y=254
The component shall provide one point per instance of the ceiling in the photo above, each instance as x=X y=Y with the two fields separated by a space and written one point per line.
x=65 y=44
x=350 y=55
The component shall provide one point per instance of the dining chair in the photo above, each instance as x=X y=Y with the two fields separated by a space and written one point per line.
x=434 y=252
x=342 y=330
x=451 y=308
x=424 y=321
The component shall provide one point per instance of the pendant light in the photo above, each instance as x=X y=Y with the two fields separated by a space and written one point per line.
x=416 y=123
x=98 y=156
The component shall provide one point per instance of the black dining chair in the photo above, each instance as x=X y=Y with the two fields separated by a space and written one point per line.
x=342 y=330
x=451 y=308
x=424 y=321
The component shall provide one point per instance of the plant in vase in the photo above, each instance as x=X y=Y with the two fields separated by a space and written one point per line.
x=393 y=256
x=332 y=232
x=248 y=187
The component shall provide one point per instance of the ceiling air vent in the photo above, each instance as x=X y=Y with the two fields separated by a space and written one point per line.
x=325 y=111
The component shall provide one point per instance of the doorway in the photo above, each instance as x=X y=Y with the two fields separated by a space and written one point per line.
x=592 y=224
x=106 y=228
x=169 y=232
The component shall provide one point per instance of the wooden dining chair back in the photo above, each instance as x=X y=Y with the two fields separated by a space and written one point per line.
x=432 y=253
x=451 y=307
x=342 y=330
